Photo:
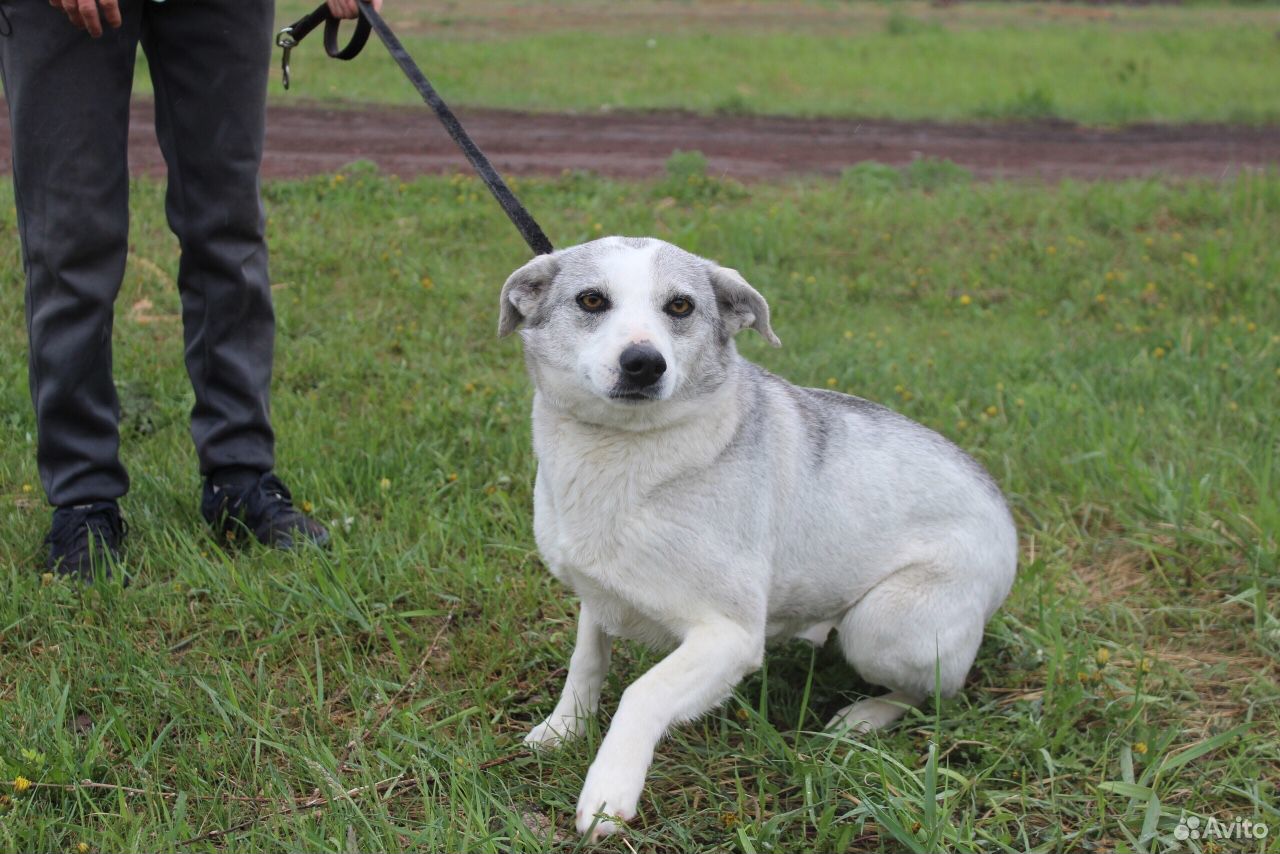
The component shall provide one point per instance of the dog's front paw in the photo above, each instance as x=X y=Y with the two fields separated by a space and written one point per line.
x=553 y=731
x=610 y=794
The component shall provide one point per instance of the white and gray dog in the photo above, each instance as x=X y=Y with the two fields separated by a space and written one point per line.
x=697 y=503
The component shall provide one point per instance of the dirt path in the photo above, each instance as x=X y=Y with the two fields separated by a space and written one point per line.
x=308 y=139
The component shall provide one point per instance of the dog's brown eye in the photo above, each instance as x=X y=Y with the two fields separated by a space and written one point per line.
x=680 y=307
x=592 y=301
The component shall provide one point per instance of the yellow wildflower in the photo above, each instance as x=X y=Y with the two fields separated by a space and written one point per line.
x=21 y=784
x=965 y=299
x=453 y=475
x=385 y=484
x=1102 y=656
x=993 y=411
x=307 y=507
x=831 y=382
x=1158 y=352
x=1140 y=747
x=26 y=487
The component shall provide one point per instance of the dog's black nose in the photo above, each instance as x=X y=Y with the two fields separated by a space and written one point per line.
x=642 y=365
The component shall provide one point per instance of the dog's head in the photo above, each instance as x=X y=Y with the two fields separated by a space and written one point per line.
x=620 y=325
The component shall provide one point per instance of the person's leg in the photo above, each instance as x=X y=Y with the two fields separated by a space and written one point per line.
x=68 y=99
x=209 y=64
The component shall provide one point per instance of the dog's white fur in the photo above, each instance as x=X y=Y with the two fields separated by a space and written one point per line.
x=731 y=509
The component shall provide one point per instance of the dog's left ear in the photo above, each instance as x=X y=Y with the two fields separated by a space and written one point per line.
x=524 y=290
x=741 y=305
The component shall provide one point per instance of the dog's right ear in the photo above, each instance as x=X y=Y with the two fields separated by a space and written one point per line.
x=524 y=290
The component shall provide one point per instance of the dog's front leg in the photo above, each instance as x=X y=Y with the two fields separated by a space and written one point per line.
x=581 y=696
x=695 y=677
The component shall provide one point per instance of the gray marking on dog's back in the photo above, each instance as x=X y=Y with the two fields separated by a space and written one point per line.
x=819 y=408
x=816 y=414
x=751 y=425
x=914 y=429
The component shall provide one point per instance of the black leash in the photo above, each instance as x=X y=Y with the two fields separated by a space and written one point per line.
x=289 y=37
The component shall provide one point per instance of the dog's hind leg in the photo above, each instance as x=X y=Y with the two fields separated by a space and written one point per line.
x=700 y=673
x=915 y=632
x=581 y=696
x=874 y=712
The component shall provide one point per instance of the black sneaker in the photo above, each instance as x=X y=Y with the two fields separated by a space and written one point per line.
x=84 y=538
x=263 y=509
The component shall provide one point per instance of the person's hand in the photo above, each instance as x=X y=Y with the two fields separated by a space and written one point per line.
x=347 y=8
x=89 y=14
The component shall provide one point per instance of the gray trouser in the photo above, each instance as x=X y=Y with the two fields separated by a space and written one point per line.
x=68 y=97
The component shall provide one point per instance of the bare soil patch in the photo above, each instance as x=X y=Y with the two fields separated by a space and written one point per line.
x=407 y=141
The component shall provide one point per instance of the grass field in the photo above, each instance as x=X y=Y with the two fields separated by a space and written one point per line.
x=1109 y=351
x=897 y=60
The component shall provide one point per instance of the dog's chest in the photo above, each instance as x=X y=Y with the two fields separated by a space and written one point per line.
x=592 y=506
x=608 y=501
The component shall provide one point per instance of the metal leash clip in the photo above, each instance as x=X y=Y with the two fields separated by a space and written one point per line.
x=285 y=41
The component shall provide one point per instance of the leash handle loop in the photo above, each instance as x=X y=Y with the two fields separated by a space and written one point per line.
x=289 y=37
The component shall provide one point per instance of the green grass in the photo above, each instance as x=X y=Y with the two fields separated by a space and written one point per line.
x=1109 y=351
x=904 y=61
